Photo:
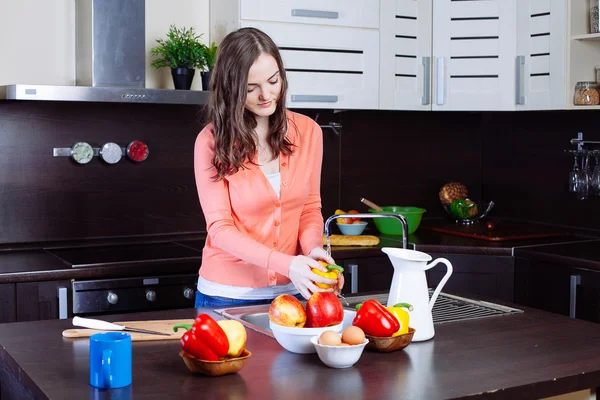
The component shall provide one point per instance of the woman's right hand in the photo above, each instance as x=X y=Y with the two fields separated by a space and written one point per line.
x=303 y=278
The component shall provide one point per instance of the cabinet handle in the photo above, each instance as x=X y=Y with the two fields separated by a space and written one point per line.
x=426 y=99
x=303 y=98
x=61 y=293
x=520 y=79
x=296 y=12
x=441 y=80
x=353 y=278
x=575 y=281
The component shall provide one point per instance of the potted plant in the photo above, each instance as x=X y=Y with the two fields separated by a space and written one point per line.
x=182 y=52
x=210 y=57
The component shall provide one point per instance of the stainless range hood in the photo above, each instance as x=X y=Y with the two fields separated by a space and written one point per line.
x=111 y=60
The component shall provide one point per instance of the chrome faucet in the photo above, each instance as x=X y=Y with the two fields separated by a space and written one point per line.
x=378 y=215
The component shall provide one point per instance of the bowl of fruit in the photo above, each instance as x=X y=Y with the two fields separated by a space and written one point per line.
x=386 y=328
x=213 y=348
x=350 y=226
x=293 y=324
x=455 y=200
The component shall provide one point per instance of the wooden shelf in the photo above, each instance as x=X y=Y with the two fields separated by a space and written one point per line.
x=588 y=36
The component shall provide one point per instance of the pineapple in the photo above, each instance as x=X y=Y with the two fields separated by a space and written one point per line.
x=453 y=191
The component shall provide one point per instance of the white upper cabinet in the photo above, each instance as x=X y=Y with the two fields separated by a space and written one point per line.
x=474 y=48
x=405 y=54
x=330 y=49
x=352 y=13
x=541 y=55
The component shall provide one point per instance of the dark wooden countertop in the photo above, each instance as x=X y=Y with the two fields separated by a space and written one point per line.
x=584 y=254
x=30 y=263
x=527 y=356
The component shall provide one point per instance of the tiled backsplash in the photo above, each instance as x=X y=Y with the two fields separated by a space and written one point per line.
x=391 y=158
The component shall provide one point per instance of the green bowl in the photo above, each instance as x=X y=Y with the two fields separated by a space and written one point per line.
x=392 y=226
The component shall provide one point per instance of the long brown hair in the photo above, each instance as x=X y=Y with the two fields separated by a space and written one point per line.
x=233 y=125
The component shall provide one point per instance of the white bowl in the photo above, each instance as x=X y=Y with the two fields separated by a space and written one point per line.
x=338 y=356
x=297 y=340
x=352 y=229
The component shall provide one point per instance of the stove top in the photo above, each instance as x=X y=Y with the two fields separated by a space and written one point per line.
x=126 y=255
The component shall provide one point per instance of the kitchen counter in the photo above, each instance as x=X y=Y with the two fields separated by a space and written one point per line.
x=584 y=254
x=527 y=356
x=31 y=264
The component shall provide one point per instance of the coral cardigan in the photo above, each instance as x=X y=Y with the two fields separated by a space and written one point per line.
x=252 y=234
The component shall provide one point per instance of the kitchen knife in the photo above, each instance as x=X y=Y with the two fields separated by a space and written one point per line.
x=109 y=326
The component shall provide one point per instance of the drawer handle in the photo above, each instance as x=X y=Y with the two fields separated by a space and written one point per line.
x=62 y=303
x=305 y=98
x=426 y=99
x=574 y=282
x=296 y=12
x=520 y=80
x=353 y=278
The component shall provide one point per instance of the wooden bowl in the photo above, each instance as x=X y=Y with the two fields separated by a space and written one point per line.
x=215 y=368
x=389 y=344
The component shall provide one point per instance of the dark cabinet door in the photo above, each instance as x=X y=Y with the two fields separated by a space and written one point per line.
x=367 y=274
x=557 y=288
x=8 y=310
x=44 y=300
x=482 y=275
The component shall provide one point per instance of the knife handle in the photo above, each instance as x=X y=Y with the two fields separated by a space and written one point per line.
x=96 y=324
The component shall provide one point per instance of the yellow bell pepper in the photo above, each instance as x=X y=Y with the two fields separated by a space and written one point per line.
x=333 y=272
x=398 y=311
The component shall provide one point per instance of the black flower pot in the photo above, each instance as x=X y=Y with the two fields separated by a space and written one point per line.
x=205 y=79
x=183 y=77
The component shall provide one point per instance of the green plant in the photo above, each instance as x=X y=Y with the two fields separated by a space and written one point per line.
x=210 y=55
x=181 y=49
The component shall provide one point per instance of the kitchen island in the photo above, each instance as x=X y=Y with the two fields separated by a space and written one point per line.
x=528 y=355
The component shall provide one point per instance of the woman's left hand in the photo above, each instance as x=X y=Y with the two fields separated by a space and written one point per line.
x=319 y=253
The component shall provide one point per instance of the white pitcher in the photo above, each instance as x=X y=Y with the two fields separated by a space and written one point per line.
x=409 y=285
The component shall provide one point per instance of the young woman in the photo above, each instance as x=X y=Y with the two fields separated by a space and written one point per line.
x=258 y=173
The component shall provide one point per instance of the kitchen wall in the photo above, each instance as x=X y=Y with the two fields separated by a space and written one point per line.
x=37 y=39
x=391 y=158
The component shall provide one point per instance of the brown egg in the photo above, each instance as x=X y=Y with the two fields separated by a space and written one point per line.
x=330 y=338
x=353 y=335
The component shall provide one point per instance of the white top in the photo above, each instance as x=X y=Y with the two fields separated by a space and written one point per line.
x=247 y=293
x=275 y=181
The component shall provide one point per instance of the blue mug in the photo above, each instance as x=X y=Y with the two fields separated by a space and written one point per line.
x=110 y=360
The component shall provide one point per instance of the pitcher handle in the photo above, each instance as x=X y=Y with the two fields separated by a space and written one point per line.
x=440 y=285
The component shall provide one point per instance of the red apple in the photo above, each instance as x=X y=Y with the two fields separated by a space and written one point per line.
x=323 y=309
x=353 y=220
x=287 y=310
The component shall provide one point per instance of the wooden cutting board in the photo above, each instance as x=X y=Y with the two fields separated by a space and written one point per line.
x=504 y=231
x=165 y=326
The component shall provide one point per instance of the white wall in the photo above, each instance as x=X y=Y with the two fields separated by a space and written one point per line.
x=37 y=39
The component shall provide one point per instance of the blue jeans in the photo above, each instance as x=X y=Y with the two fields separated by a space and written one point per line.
x=204 y=300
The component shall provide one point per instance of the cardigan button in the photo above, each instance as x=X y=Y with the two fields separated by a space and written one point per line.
x=278 y=204
x=275 y=244
x=277 y=223
x=283 y=164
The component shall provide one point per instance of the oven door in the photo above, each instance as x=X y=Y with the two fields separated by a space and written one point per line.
x=134 y=294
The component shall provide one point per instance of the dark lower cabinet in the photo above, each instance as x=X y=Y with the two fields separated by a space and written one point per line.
x=43 y=300
x=367 y=274
x=481 y=275
x=488 y=276
x=8 y=311
x=558 y=288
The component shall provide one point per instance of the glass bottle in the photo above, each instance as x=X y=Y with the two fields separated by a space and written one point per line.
x=586 y=94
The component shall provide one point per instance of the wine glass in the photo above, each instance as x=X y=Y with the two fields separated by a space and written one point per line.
x=575 y=173
x=584 y=178
x=595 y=181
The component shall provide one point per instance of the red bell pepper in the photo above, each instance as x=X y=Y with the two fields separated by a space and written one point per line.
x=205 y=339
x=375 y=320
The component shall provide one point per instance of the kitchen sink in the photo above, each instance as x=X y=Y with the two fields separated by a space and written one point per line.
x=448 y=308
